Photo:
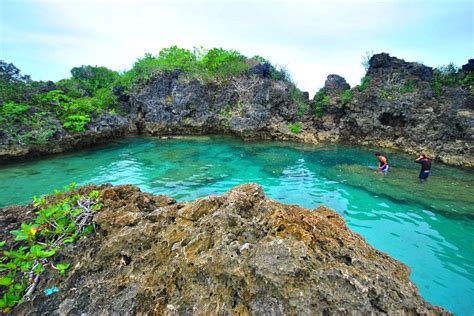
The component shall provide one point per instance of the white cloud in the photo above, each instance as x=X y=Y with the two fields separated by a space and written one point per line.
x=312 y=38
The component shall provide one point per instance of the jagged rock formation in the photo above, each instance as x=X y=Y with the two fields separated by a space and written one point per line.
x=247 y=106
x=398 y=109
x=99 y=131
x=335 y=85
x=414 y=119
x=237 y=253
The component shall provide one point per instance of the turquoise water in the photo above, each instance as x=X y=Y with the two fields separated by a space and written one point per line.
x=427 y=226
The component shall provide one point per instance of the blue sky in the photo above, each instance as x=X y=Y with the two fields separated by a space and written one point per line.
x=312 y=39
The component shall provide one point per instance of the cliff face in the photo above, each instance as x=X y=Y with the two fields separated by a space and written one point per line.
x=400 y=109
x=247 y=106
x=236 y=253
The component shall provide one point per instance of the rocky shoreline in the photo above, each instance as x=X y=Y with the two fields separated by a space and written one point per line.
x=395 y=107
x=236 y=253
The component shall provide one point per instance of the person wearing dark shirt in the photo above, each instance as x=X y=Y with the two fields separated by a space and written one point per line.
x=425 y=167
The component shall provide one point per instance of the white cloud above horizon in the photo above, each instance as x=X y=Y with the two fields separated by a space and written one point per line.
x=310 y=38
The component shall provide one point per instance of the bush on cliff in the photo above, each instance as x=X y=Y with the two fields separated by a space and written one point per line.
x=347 y=96
x=452 y=76
x=13 y=85
x=407 y=87
x=321 y=100
x=216 y=63
x=299 y=99
x=295 y=128
x=364 y=84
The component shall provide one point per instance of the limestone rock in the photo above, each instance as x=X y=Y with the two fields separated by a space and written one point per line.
x=335 y=85
x=239 y=253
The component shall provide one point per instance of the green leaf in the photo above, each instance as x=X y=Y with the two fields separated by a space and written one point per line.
x=94 y=194
x=38 y=269
x=6 y=281
x=62 y=267
x=38 y=252
x=2 y=243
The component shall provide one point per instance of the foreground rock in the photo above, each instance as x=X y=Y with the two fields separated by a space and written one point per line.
x=237 y=253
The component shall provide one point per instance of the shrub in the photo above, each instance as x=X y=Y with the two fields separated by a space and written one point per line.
x=13 y=85
x=71 y=88
x=55 y=225
x=321 y=100
x=364 y=83
x=104 y=99
x=451 y=76
x=298 y=97
x=75 y=122
x=93 y=78
x=74 y=114
x=407 y=87
x=12 y=110
x=222 y=63
x=295 y=128
x=347 y=96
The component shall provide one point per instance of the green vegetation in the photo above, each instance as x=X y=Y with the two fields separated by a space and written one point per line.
x=451 y=76
x=364 y=83
x=321 y=100
x=31 y=112
x=56 y=224
x=214 y=64
x=299 y=99
x=407 y=87
x=386 y=95
x=295 y=128
x=346 y=96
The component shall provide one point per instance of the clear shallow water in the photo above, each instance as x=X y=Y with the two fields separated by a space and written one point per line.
x=427 y=226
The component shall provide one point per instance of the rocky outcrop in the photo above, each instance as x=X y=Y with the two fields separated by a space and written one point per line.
x=237 y=253
x=397 y=108
x=400 y=109
x=247 y=106
x=99 y=131
x=335 y=85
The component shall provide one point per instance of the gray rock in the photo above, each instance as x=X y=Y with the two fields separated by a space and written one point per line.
x=335 y=85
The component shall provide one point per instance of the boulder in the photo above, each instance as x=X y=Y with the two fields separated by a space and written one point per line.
x=335 y=85
x=239 y=253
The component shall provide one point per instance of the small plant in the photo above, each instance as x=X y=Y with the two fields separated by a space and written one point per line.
x=56 y=224
x=298 y=98
x=451 y=76
x=321 y=100
x=364 y=83
x=295 y=128
x=407 y=87
x=385 y=95
x=347 y=96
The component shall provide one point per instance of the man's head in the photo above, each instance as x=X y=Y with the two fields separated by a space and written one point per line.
x=422 y=155
x=378 y=154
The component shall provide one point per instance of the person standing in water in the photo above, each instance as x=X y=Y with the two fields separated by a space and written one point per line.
x=383 y=163
x=425 y=167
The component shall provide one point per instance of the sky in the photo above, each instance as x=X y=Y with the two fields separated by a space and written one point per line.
x=311 y=39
